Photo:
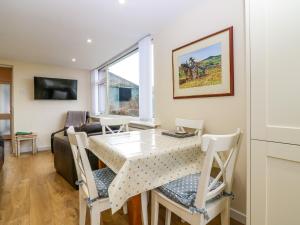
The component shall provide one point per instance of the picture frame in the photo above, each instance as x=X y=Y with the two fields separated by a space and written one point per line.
x=205 y=67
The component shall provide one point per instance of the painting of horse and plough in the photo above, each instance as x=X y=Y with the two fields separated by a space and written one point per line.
x=204 y=68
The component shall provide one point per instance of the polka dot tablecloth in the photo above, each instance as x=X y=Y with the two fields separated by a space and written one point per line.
x=144 y=160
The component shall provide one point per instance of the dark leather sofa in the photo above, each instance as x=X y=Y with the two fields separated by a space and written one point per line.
x=1 y=153
x=63 y=158
x=64 y=130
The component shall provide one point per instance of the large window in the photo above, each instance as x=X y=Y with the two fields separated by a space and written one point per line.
x=118 y=87
x=124 y=85
x=123 y=91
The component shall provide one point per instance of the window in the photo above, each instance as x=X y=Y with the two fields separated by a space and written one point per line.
x=123 y=89
x=124 y=85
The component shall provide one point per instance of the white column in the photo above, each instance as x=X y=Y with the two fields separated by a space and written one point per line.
x=94 y=92
x=146 y=74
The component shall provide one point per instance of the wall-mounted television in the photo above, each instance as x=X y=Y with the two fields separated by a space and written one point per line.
x=53 y=88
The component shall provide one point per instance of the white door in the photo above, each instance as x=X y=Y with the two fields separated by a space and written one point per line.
x=274 y=34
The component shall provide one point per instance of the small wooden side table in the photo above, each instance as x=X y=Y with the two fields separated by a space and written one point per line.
x=28 y=137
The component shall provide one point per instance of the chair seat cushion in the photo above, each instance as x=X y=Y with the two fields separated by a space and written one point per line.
x=184 y=190
x=103 y=178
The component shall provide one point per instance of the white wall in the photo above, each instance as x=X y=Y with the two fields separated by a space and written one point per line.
x=221 y=114
x=44 y=116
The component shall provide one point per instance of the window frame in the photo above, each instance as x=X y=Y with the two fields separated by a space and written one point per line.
x=145 y=48
x=105 y=81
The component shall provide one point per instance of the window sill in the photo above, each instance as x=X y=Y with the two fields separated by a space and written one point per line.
x=134 y=123
x=144 y=124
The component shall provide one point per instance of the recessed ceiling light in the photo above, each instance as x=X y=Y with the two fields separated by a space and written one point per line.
x=122 y=1
x=73 y=60
x=89 y=41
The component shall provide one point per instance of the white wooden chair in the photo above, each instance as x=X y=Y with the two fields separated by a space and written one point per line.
x=193 y=124
x=211 y=196
x=107 y=123
x=90 y=194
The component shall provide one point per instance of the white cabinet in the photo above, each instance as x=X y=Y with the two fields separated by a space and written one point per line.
x=275 y=184
x=275 y=70
x=273 y=30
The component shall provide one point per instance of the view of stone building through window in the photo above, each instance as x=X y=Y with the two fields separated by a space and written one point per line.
x=123 y=88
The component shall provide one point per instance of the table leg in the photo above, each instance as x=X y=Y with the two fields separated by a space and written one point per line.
x=35 y=146
x=134 y=210
x=18 y=148
x=32 y=146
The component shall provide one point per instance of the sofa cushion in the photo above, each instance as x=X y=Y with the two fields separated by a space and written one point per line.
x=94 y=128
x=91 y=128
x=103 y=178
x=184 y=190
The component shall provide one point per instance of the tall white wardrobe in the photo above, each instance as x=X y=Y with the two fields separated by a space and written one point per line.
x=273 y=43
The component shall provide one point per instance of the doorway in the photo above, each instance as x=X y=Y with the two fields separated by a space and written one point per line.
x=6 y=109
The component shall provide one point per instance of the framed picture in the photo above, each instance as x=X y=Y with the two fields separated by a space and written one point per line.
x=204 y=68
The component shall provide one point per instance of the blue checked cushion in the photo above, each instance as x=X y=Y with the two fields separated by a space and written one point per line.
x=184 y=190
x=103 y=178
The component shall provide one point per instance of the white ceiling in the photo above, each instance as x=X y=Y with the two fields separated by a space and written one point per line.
x=55 y=31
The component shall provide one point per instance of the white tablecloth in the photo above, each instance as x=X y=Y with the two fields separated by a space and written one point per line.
x=144 y=160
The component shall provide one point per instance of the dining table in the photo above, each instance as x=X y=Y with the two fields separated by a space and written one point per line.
x=144 y=160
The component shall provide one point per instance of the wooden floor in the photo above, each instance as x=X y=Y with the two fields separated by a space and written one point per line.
x=32 y=193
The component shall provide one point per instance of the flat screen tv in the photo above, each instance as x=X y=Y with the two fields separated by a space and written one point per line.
x=52 y=88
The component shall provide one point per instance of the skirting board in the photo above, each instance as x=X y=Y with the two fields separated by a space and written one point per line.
x=238 y=216
x=40 y=148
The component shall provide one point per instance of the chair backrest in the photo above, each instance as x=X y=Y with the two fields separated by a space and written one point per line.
x=108 y=122
x=214 y=145
x=73 y=142
x=78 y=142
x=193 y=124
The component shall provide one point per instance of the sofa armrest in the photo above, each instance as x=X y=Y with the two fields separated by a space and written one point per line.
x=64 y=161
x=52 y=137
